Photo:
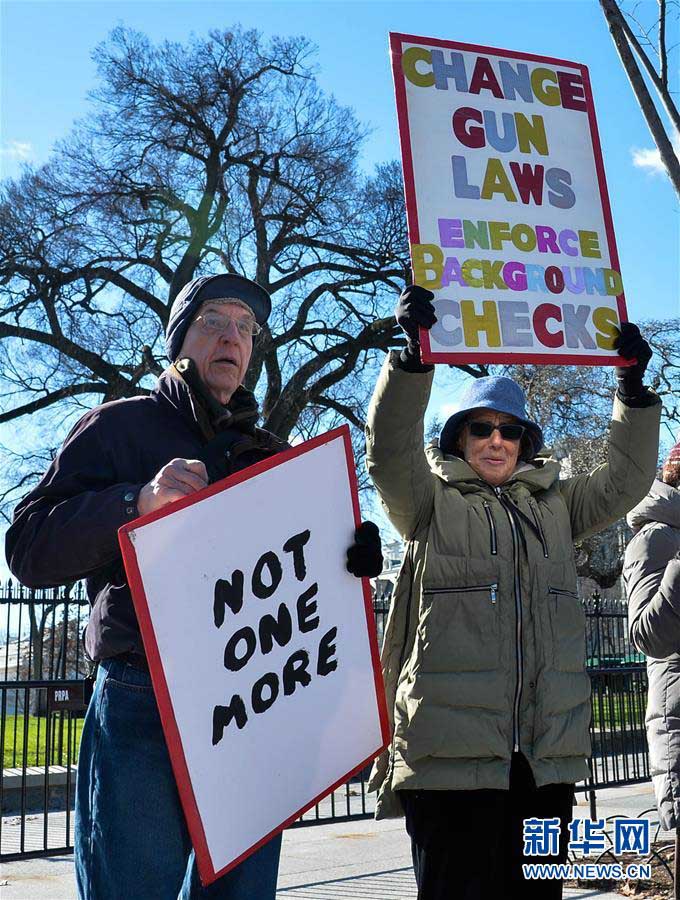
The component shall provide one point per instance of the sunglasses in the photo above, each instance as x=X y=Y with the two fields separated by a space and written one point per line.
x=508 y=432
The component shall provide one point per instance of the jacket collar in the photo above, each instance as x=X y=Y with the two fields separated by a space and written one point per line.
x=172 y=389
x=539 y=475
x=181 y=386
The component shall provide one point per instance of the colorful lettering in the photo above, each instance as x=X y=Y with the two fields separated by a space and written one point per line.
x=427 y=258
x=409 y=60
x=486 y=322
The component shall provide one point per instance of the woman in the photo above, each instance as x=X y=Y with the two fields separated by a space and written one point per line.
x=484 y=651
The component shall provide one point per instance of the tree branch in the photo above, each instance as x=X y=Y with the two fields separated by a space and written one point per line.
x=619 y=30
x=616 y=20
x=72 y=390
x=663 y=54
x=94 y=362
x=345 y=411
x=134 y=290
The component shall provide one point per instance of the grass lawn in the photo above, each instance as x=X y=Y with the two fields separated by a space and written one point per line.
x=617 y=710
x=36 y=740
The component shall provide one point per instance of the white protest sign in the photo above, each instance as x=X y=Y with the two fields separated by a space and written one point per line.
x=508 y=212
x=261 y=645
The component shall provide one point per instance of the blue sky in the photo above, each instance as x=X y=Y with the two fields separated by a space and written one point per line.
x=46 y=72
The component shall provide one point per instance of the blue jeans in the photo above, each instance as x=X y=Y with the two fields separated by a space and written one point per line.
x=131 y=838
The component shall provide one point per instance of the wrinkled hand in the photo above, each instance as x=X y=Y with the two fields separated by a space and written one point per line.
x=364 y=556
x=178 y=478
x=631 y=345
x=415 y=310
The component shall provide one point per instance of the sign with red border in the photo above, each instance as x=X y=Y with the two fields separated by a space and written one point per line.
x=261 y=646
x=507 y=205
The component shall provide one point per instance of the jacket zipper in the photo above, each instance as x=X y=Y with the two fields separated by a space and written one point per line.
x=537 y=520
x=561 y=592
x=491 y=588
x=492 y=528
x=518 y=618
x=411 y=564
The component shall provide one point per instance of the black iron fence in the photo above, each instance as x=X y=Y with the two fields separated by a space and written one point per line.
x=618 y=677
x=42 y=667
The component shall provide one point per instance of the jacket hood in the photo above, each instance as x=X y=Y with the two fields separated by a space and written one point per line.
x=173 y=390
x=212 y=287
x=538 y=475
x=662 y=504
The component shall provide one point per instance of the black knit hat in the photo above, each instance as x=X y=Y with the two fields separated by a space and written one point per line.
x=212 y=287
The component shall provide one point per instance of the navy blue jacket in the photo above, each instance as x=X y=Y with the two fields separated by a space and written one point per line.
x=66 y=527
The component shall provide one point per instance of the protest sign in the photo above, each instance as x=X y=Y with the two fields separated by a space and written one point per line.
x=261 y=645
x=507 y=205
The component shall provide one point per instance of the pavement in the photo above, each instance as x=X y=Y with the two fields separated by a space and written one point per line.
x=361 y=859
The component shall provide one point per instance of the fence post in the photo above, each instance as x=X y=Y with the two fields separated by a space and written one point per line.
x=598 y=626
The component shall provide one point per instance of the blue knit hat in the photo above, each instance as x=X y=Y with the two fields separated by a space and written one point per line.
x=493 y=392
x=212 y=287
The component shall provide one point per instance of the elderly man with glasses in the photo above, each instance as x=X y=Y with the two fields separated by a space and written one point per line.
x=123 y=459
x=484 y=651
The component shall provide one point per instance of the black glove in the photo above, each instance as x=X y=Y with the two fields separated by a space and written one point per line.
x=631 y=345
x=414 y=310
x=364 y=557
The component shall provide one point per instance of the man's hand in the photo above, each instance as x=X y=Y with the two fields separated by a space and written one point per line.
x=364 y=556
x=631 y=345
x=178 y=478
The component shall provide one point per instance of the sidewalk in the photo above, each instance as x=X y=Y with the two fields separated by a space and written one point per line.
x=364 y=859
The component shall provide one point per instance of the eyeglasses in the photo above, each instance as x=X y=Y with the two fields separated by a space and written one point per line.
x=218 y=323
x=508 y=432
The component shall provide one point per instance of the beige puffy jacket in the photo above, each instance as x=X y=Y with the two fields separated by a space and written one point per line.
x=484 y=647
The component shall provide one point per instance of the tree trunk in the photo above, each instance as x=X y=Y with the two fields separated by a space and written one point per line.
x=612 y=14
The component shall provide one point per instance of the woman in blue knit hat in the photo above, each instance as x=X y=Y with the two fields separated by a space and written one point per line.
x=484 y=652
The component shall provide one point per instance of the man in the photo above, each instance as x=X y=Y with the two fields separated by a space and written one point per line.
x=124 y=459
x=484 y=651
x=651 y=574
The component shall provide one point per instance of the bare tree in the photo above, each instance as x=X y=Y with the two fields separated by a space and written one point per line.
x=664 y=338
x=648 y=46
x=221 y=154
x=575 y=401
x=599 y=557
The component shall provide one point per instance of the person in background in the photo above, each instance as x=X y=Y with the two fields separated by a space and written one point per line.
x=484 y=652
x=651 y=574
x=121 y=460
